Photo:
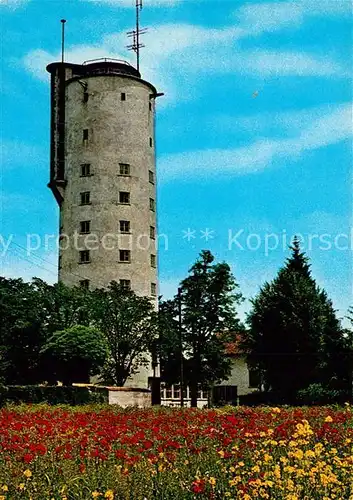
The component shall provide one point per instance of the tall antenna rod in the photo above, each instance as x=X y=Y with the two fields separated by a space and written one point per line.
x=135 y=34
x=63 y=21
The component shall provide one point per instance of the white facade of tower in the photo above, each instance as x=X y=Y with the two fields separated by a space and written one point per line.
x=103 y=176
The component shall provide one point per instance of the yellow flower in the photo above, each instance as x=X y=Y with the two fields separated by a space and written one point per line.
x=221 y=453
x=298 y=454
x=5 y=488
x=109 y=494
x=212 y=481
x=96 y=494
x=277 y=471
x=2 y=497
x=276 y=410
x=328 y=419
x=21 y=486
x=27 y=473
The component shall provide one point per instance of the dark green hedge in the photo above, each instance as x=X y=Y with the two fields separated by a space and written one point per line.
x=262 y=398
x=308 y=397
x=52 y=395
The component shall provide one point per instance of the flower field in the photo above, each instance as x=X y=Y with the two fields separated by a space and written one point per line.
x=241 y=453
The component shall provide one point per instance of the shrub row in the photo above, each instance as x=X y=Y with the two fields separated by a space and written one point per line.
x=313 y=395
x=52 y=395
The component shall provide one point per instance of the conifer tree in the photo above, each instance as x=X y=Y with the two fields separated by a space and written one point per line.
x=295 y=338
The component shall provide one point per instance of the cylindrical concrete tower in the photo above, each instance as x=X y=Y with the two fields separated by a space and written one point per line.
x=103 y=174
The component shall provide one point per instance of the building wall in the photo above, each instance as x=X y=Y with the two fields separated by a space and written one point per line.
x=141 y=399
x=239 y=376
x=118 y=132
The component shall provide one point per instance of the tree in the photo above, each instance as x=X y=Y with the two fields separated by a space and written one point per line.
x=169 y=345
x=75 y=353
x=129 y=325
x=209 y=299
x=63 y=306
x=31 y=313
x=295 y=338
x=350 y=316
x=21 y=332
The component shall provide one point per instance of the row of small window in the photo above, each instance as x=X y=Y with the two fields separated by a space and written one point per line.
x=125 y=284
x=124 y=199
x=124 y=227
x=173 y=392
x=122 y=98
x=85 y=137
x=124 y=170
x=124 y=256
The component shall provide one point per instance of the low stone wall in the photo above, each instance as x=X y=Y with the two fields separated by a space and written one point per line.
x=129 y=396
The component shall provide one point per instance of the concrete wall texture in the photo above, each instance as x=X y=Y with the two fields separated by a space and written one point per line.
x=240 y=376
x=118 y=132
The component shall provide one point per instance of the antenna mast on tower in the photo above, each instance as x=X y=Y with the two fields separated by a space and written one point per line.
x=63 y=21
x=135 y=35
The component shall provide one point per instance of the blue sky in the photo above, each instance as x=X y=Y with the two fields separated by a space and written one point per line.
x=254 y=133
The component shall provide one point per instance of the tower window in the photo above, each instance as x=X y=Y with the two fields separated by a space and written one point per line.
x=60 y=265
x=125 y=284
x=85 y=170
x=84 y=284
x=124 y=197
x=85 y=198
x=124 y=168
x=150 y=106
x=151 y=142
x=151 y=176
x=153 y=261
x=85 y=226
x=152 y=205
x=84 y=256
x=124 y=226
x=85 y=96
x=85 y=134
x=152 y=232
x=153 y=289
x=124 y=256
x=123 y=96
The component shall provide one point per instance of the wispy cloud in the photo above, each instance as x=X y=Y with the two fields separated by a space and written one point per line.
x=288 y=123
x=324 y=130
x=268 y=17
x=13 y=4
x=212 y=51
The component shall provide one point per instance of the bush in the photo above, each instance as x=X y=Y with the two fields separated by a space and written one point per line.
x=316 y=394
x=262 y=398
x=52 y=395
